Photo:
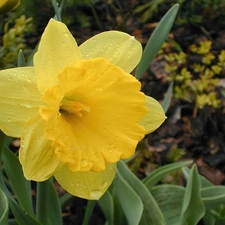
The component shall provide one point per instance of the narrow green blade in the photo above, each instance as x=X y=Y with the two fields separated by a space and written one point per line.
x=128 y=197
x=192 y=199
x=157 y=175
x=20 y=186
x=107 y=206
x=156 y=40
x=3 y=208
x=152 y=215
x=48 y=209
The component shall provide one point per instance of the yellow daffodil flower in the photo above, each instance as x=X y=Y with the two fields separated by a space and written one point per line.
x=8 y=5
x=78 y=111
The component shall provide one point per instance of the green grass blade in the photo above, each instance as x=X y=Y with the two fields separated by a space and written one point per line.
x=21 y=216
x=156 y=40
x=167 y=100
x=88 y=212
x=48 y=209
x=3 y=208
x=20 y=186
x=22 y=189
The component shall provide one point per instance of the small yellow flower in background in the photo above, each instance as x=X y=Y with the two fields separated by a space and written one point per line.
x=8 y=5
x=78 y=111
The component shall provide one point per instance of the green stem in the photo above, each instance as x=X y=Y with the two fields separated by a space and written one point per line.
x=89 y=210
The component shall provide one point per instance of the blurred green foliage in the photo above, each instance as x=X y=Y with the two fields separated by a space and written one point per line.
x=196 y=74
x=14 y=39
x=195 y=12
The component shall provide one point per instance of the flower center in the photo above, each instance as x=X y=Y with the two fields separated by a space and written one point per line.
x=73 y=107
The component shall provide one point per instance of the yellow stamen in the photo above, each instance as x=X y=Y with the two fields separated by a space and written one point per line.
x=74 y=107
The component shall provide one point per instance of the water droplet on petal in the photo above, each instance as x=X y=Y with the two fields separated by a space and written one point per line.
x=104 y=184
x=95 y=194
x=27 y=104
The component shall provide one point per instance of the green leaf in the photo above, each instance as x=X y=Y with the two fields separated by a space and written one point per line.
x=193 y=208
x=203 y=180
x=160 y=172
x=21 y=59
x=22 y=189
x=209 y=218
x=169 y=199
x=21 y=216
x=152 y=215
x=48 y=209
x=167 y=100
x=2 y=143
x=213 y=196
x=156 y=40
x=3 y=208
x=128 y=197
x=89 y=211
x=107 y=207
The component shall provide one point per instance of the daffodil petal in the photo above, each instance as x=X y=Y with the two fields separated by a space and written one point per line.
x=88 y=185
x=19 y=99
x=156 y=116
x=117 y=47
x=36 y=154
x=56 y=50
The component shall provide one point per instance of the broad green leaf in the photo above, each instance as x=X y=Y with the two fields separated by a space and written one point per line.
x=203 y=180
x=20 y=186
x=152 y=215
x=169 y=199
x=193 y=208
x=3 y=208
x=213 y=196
x=128 y=197
x=156 y=40
x=119 y=217
x=107 y=207
x=160 y=172
x=166 y=101
x=21 y=216
x=48 y=209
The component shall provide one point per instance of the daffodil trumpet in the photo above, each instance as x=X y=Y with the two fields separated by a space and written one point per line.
x=78 y=110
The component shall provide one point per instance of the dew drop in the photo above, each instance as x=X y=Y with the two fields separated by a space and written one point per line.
x=27 y=104
x=104 y=184
x=95 y=194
